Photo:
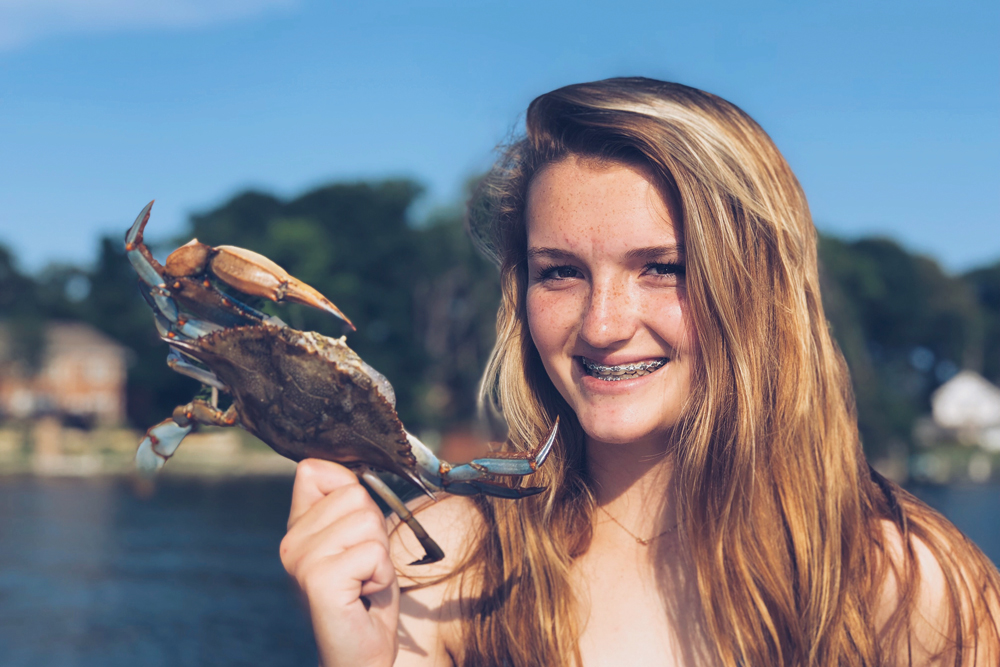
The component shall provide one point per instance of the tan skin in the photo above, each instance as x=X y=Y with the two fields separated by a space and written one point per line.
x=606 y=283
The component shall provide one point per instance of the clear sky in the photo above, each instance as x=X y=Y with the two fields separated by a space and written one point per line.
x=889 y=112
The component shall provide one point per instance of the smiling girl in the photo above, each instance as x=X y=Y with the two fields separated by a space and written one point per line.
x=708 y=501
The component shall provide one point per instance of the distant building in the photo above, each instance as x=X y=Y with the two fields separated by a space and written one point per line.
x=81 y=375
x=969 y=406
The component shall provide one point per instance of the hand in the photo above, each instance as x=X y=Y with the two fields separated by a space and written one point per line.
x=337 y=549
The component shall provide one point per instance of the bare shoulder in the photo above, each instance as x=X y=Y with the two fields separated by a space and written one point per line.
x=430 y=604
x=949 y=579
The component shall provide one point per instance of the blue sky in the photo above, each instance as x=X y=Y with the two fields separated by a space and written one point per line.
x=889 y=112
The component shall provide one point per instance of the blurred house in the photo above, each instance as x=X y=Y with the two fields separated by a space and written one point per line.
x=80 y=377
x=968 y=406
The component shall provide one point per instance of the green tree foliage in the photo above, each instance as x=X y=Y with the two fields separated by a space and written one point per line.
x=23 y=320
x=904 y=327
x=985 y=283
x=455 y=309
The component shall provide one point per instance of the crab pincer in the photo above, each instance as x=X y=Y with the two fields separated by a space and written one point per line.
x=183 y=283
x=248 y=272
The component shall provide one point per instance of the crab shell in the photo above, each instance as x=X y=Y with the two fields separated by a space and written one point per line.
x=308 y=396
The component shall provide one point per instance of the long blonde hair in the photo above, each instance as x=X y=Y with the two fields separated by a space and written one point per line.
x=782 y=514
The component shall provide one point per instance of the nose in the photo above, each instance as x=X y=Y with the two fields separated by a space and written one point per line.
x=611 y=315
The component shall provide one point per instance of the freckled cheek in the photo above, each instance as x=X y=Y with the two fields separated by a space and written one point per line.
x=550 y=321
x=670 y=322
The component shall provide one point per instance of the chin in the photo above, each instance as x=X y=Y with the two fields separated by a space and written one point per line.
x=622 y=431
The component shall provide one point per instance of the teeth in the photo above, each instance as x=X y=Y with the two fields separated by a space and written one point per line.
x=624 y=372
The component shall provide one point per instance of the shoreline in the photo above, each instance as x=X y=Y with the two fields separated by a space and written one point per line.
x=45 y=449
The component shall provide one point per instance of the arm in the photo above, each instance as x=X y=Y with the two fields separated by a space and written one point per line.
x=337 y=549
x=929 y=634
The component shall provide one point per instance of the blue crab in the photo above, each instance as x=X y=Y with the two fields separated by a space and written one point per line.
x=304 y=394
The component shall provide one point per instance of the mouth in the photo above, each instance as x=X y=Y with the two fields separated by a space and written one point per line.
x=621 y=372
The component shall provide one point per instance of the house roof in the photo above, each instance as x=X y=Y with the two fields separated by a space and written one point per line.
x=77 y=336
x=61 y=337
x=968 y=400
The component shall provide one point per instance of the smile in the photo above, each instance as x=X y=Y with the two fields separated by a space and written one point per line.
x=623 y=372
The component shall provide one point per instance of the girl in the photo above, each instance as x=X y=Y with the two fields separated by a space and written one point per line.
x=708 y=501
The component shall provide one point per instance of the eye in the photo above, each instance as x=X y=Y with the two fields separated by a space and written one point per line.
x=665 y=269
x=557 y=273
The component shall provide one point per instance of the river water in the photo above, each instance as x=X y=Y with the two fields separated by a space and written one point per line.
x=100 y=572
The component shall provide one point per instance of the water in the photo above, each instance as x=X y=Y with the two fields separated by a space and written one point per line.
x=93 y=574
x=97 y=572
x=974 y=509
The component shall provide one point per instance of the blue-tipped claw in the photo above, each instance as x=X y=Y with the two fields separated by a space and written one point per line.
x=504 y=465
x=134 y=250
x=160 y=443
x=133 y=237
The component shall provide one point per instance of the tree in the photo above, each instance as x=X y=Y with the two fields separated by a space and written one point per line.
x=904 y=327
x=985 y=283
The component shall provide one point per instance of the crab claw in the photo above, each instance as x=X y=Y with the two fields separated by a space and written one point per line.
x=160 y=443
x=139 y=256
x=252 y=273
x=472 y=478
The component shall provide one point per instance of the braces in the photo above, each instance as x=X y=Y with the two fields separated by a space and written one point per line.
x=618 y=371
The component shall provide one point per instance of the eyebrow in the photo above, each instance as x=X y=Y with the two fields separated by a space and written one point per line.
x=549 y=253
x=650 y=254
x=655 y=253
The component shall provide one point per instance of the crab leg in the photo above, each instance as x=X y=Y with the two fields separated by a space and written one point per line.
x=468 y=479
x=177 y=362
x=203 y=412
x=173 y=324
x=162 y=440
x=433 y=552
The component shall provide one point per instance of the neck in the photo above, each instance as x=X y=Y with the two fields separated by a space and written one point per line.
x=634 y=483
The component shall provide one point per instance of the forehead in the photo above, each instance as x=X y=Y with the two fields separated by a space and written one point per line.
x=576 y=203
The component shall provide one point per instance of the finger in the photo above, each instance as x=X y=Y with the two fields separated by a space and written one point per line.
x=314 y=479
x=341 y=579
x=347 y=630
x=300 y=546
x=335 y=505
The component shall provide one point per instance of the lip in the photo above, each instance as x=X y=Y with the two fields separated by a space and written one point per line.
x=592 y=386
